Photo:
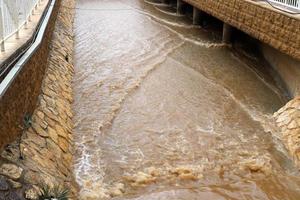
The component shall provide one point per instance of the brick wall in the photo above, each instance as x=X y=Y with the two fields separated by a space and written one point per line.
x=271 y=26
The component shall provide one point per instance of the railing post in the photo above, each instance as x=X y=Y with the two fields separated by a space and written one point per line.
x=16 y=18
x=1 y=27
x=29 y=12
x=36 y=5
x=289 y=3
x=13 y=15
x=32 y=11
x=25 y=13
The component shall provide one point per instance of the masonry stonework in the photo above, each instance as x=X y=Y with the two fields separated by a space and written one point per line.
x=271 y=26
x=44 y=153
x=21 y=97
x=288 y=121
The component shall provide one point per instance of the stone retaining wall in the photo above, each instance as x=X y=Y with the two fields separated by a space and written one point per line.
x=44 y=153
x=288 y=120
x=22 y=95
x=272 y=26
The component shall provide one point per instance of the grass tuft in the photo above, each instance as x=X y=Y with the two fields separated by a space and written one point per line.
x=56 y=193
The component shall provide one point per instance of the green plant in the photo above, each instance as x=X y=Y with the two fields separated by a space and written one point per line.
x=27 y=121
x=57 y=192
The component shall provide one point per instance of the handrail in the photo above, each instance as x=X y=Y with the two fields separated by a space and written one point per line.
x=288 y=3
x=37 y=40
x=14 y=14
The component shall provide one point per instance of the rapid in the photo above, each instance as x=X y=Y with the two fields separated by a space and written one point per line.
x=164 y=110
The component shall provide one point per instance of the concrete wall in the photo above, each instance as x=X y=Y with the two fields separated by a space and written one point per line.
x=279 y=33
x=271 y=26
x=287 y=67
x=21 y=97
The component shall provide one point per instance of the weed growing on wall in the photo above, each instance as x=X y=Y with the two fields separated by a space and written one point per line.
x=56 y=193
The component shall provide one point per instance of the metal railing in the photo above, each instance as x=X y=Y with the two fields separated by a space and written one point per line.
x=14 y=14
x=288 y=3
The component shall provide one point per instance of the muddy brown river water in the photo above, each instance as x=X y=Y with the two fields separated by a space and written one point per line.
x=164 y=111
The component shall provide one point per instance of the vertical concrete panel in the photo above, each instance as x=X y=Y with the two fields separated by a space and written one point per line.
x=180 y=7
x=197 y=16
x=227 y=33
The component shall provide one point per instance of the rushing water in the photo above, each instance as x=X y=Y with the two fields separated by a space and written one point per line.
x=164 y=111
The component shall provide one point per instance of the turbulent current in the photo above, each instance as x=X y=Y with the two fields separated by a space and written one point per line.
x=164 y=110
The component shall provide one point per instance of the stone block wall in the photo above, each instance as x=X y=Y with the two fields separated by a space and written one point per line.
x=21 y=97
x=44 y=153
x=288 y=121
x=271 y=26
